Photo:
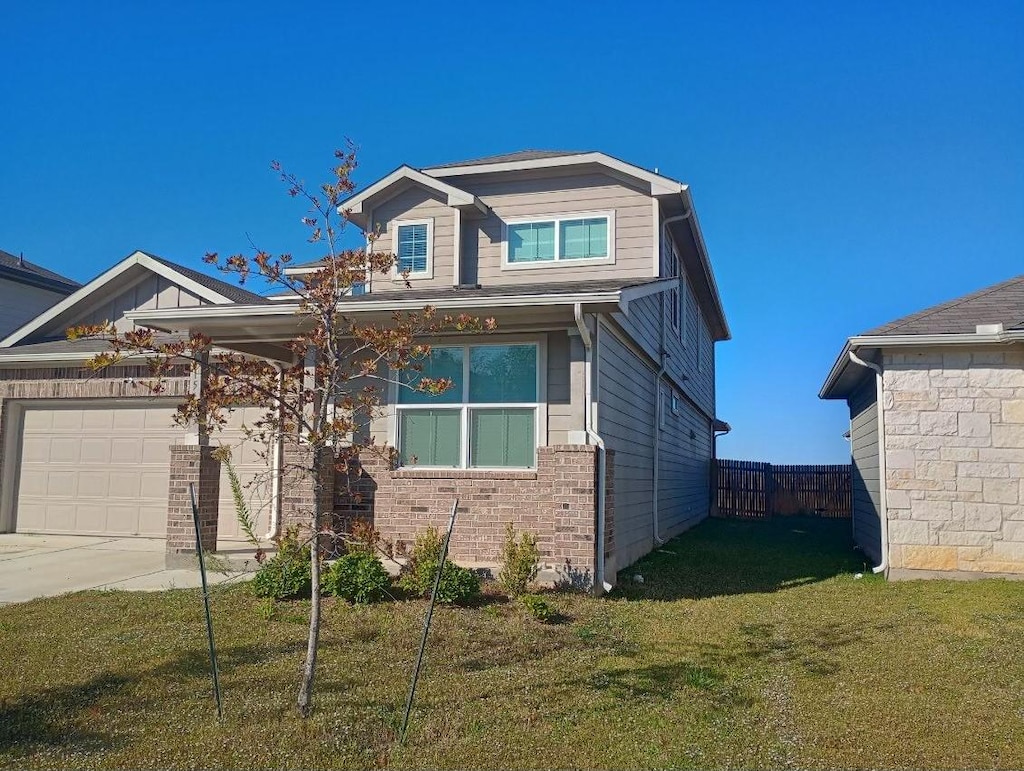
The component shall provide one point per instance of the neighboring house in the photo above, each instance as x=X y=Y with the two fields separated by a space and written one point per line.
x=27 y=290
x=607 y=311
x=937 y=436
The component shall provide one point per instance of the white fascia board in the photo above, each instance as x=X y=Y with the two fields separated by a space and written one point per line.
x=199 y=315
x=453 y=196
x=911 y=341
x=659 y=185
x=136 y=258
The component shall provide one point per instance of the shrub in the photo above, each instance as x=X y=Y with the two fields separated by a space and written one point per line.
x=458 y=584
x=520 y=561
x=286 y=575
x=357 y=577
x=537 y=607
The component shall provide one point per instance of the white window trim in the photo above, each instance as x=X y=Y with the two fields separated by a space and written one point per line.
x=539 y=407
x=672 y=259
x=396 y=274
x=558 y=219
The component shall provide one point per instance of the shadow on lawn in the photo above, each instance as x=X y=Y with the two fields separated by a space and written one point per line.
x=728 y=556
x=62 y=716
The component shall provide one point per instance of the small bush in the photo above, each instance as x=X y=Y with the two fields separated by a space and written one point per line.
x=357 y=577
x=458 y=584
x=286 y=575
x=520 y=562
x=537 y=607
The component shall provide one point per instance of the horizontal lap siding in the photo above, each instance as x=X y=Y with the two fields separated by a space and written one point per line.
x=867 y=499
x=513 y=199
x=564 y=413
x=418 y=203
x=19 y=304
x=684 y=472
x=626 y=422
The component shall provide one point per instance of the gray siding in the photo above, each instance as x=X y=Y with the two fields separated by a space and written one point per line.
x=867 y=499
x=684 y=497
x=626 y=422
x=418 y=203
x=154 y=291
x=20 y=303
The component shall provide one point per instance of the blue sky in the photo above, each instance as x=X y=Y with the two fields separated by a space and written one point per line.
x=850 y=162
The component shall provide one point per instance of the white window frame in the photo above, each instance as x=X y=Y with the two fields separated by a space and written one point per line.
x=559 y=260
x=539 y=407
x=396 y=274
x=673 y=269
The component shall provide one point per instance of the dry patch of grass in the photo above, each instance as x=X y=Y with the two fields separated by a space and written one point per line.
x=747 y=645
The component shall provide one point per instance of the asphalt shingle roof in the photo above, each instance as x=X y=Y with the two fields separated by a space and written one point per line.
x=999 y=304
x=233 y=292
x=520 y=155
x=11 y=263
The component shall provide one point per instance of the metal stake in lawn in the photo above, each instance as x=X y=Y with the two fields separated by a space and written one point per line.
x=206 y=596
x=426 y=621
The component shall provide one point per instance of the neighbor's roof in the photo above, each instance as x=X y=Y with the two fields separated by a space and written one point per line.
x=26 y=272
x=520 y=155
x=999 y=304
x=973 y=319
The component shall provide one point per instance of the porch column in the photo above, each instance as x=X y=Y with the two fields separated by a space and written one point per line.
x=192 y=461
x=307 y=478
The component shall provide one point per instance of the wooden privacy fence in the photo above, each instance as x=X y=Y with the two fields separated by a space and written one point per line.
x=758 y=490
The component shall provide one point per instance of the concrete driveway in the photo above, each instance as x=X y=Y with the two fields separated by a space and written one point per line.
x=46 y=565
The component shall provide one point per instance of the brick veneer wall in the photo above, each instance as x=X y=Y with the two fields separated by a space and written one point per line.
x=954 y=438
x=299 y=490
x=191 y=464
x=557 y=503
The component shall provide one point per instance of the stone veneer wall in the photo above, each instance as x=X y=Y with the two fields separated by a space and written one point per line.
x=557 y=503
x=954 y=439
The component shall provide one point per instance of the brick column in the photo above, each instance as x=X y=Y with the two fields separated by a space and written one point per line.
x=191 y=463
x=301 y=476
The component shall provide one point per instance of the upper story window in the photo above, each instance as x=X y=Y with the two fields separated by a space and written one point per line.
x=414 y=247
x=536 y=242
x=676 y=297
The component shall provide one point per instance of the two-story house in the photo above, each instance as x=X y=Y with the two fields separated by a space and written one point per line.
x=587 y=417
x=27 y=289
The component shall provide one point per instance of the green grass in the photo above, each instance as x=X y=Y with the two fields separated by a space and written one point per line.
x=747 y=645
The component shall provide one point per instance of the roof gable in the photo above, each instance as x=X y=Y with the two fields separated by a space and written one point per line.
x=115 y=292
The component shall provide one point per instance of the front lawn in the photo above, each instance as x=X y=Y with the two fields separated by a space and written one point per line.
x=747 y=645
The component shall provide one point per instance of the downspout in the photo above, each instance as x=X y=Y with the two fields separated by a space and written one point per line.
x=883 y=514
x=662 y=357
x=275 y=468
x=592 y=434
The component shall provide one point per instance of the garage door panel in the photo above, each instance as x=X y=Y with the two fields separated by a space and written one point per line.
x=65 y=450
x=153 y=484
x=61 y=484
x=91 y=517
x=67 y=420
x=125 y=484
x=93 y=420
x=126 y=450
x=155 y=450
x=132 y=420
x=59 y=517
x=93 y=484
x=95 y=449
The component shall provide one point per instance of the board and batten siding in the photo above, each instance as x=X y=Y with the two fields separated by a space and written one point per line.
x=867 y=497
x=151 y=292
x=20 y=303
x=417 y=203
x=625 y=416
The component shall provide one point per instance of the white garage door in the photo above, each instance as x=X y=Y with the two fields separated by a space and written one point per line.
x=95 y=470
x=102 y=470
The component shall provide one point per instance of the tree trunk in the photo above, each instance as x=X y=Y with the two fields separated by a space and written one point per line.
x=305 y=702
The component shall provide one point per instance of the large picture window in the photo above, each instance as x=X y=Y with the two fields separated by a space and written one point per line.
x=534 y=243
x=487 y=419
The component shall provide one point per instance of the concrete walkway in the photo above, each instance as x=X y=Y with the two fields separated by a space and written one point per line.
x=46 y=565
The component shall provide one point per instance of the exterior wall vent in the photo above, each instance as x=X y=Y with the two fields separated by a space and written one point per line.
x=988 y=329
